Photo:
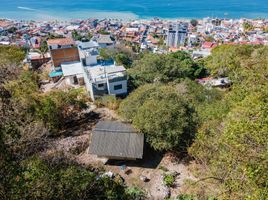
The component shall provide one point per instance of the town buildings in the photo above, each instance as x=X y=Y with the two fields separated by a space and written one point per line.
x=79 y=65
x=62 y=50
x=176 y=35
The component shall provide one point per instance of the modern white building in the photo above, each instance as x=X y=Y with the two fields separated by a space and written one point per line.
x=105 y=79
x=100 y=77
x=88 y=52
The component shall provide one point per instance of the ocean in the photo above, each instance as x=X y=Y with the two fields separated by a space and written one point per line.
x=131 y=9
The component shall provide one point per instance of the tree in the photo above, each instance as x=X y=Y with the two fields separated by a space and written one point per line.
x=225 y=59
x=52 y=109
x=45 y=179
x=11 y=55
x=123 y=59
x=76 y=35
x=209 y=38
x=152 y=68
x=103 y=32
x=107 y=54
x=248 y=26
x=231 y=140
x=27 y=119
x=89 y=36
x=12 y=30
x=160 y=112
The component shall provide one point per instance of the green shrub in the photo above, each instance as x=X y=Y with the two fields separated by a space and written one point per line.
x=169 y=180
x=109 y=101
x=185 y=197
x=135 y=193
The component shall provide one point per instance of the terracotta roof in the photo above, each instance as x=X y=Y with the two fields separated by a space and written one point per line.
x=4 y=23
x=209 y=45
x=61 y=41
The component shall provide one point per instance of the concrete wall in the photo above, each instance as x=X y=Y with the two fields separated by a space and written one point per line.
x=91 y=60
x=121 y=91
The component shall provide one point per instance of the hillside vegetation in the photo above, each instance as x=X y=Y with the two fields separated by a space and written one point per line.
x=225 y=131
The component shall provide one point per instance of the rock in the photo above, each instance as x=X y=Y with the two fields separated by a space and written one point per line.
x=109 y=174
x=167 y=193
x=144 y=178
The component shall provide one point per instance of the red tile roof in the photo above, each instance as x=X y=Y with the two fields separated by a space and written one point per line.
x=61 y=41
x=209 y=45
x=4 y=23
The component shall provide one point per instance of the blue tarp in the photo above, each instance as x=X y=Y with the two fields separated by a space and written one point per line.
x=55 y=74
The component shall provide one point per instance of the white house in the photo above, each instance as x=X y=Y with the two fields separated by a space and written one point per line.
x=73 y=73
x=100 y=77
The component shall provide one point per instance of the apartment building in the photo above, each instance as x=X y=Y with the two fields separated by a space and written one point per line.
x=176 y=35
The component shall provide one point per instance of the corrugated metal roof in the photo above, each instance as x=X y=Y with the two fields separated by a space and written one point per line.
x=116 y=139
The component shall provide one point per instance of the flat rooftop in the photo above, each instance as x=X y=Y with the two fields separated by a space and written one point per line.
x=99 y=72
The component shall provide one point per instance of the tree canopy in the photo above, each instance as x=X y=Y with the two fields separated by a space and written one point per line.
x=28 y=119
x=151 y=68
x=162 y=114
x=232 y=139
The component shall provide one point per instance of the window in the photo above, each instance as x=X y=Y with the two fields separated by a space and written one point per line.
x=101 y=86
x=118 y=87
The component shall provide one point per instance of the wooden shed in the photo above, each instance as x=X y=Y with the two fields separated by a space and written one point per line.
x=116 y=140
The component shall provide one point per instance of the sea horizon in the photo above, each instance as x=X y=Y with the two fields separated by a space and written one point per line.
x=131 y=10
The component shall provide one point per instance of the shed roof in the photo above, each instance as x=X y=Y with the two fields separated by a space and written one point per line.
x=116 y=139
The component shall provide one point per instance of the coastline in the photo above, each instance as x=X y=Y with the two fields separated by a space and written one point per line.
x=29 y=14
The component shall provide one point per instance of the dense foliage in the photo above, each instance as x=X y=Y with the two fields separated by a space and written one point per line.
x=162 y=114
x=226 y=130
x=11 y=54
x=121 y=55
x=38 y=179
x=52 y=109
x=232 y=141
x=163 y=68
x=29 y=118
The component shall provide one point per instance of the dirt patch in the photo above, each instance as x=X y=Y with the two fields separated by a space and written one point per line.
x=153 y=166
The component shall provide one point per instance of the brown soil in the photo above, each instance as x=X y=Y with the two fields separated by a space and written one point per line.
x=76 y=146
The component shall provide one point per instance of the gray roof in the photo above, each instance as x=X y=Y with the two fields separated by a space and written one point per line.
x=116 y=139
x=105 y=39
x=88 y=45
x=97 y=73
x=72 y=68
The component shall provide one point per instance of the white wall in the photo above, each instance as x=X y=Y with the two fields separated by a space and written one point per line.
x=91 y=60
x=121 y=91
x=55 y=46
x=88 y=85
